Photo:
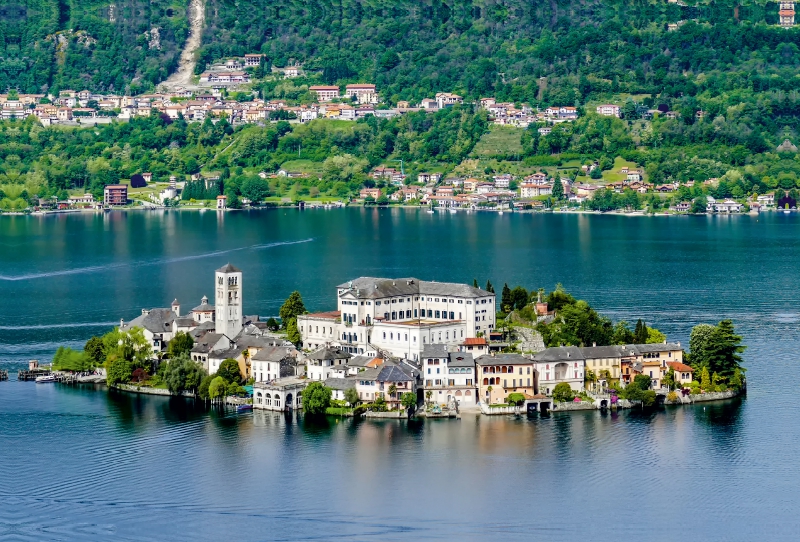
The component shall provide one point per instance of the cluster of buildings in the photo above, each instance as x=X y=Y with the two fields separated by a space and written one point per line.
x=389 y=337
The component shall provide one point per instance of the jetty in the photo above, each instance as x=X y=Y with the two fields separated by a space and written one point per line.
x=32 y=374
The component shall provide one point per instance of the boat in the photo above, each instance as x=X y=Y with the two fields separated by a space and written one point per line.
x=45 y=379
x=243 y=408
x=453 y=210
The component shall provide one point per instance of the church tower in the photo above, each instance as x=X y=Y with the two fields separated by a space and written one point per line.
x=228 y=287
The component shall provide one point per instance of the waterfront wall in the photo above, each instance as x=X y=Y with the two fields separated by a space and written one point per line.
x=149 y=391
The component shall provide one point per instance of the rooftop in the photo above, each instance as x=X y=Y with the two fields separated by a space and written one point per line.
x=376 y=288
x=228 y=268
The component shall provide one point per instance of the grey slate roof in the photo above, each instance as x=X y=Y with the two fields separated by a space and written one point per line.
x=156 y=321
x=614 y=351
x=203 y=329
x=185 y=321
x=392 y=373
x=203 y=307
x=559 y=353
x=327 y=352
x=460 y=359
x=434 y=351
x=273 y=353
x=658 y=347
x=228 y=268
x=232 y=353
x=342 y=384
x=359 y=361
x=502 y=359
x=204 y=345
x=372 y=287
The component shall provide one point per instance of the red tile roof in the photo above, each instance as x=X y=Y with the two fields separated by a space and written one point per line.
x=479 y=341
x=680 y=367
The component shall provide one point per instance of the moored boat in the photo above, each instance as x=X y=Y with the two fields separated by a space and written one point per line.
x=45 y=379
x=243 y=408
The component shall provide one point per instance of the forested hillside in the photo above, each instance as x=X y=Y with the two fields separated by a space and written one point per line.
x=123 y=46
x=412 y=49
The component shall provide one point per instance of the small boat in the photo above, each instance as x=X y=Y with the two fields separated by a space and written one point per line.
x=453 y=210
x=243 y=408
x=45 y=379
x=786 y=211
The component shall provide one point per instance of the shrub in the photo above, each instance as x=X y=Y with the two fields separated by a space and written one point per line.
x=672 y=396
x=562 y=393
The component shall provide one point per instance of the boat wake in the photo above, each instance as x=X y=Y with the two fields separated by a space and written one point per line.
x=161 y=261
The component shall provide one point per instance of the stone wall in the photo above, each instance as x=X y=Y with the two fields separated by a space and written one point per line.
x=148 y=391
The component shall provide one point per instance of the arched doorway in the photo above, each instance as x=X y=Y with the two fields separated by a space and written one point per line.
x=289 y=404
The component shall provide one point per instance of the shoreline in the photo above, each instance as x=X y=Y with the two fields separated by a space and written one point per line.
x=328 y=206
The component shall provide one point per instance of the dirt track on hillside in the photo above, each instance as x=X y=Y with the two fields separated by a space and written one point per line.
x=183 y=75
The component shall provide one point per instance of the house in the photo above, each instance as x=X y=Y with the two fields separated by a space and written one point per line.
x=502 y=374
x=545 y=130
x=222 y=203
x=115 y=194
x=447 y=99
x=427 y=178
x=608 y=110
x=373 y=193
x=502 y=181
x=651 y=360
x=325 y=93
x=320 y=363
x=727 y=206
x=253 y=59
x=766 y=199
x=683 y=373
x=532 y=190
x=363 y=93
x=634 y=175
x=683 y=207
x=389 y=380
x=291 y=71
x=339 y=386
x=557 y=365
x=477 y=346
x=449 y=376
x=429 y=104
x=273 y=362
x=86 y=199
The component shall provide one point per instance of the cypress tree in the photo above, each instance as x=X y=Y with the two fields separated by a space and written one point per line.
x=506 y=302
x=475 y=283
x=558 y=190
x=489 y=287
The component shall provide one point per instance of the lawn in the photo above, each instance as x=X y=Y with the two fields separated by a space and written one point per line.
x=303 y=166
x=499 y=140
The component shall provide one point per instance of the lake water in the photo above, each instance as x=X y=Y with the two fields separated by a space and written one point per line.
x=82 y=464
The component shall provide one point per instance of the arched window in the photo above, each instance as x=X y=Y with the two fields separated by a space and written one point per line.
x=485 y=381
x=384 y=334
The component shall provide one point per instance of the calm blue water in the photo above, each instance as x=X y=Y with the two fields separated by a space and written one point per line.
x=81 y=464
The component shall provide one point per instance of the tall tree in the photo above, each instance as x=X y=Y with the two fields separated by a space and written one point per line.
x=181 y=343
x=640 y=333
x=558 y=190
x=506 y=301
x=229 y=370
x=292 y=307
x=724 y=349
x=489 y=287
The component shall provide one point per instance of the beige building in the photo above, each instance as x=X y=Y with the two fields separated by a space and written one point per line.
x=502 y=374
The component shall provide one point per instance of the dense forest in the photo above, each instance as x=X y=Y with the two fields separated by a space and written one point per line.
x=124 y=46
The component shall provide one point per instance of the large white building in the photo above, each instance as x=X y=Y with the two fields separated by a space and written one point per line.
x=399 y=316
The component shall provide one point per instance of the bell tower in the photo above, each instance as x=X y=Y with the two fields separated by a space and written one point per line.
x=228 y=305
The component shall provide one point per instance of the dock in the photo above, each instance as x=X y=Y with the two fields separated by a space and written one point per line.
x=32 y=374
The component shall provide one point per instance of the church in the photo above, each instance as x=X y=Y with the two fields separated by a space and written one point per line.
x=221 y=331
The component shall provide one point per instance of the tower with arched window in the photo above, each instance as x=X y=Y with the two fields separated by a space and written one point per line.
x=228 y=294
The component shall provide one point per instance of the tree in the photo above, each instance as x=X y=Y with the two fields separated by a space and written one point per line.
x=95 y=351
x=292 y=307
x=516 y=399
x=203 y=388
x=255 y=189
x=292 y=333
x=392 y=390
x=623 y=334
x=408 y=400
x=558 y=190
x=316 y=399
x=506 y=302
x=181 y=343
x=642 y=381
x=429 y=395
x=475 y=283
x=699 y=205
x=705 y=379
x=562 y=393
x=699 y=345
x=272 y=324
x=723 y=349
x=519 y=297
x=217 y=388
x=118 y=370
x=640 y=332
x=736 y=381
x=654 y=336
x=669 y=379
x=351 y=396
x=489 y=287
x=229 y=370
x=183 y=374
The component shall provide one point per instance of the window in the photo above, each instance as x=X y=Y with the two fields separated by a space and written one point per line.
x=529 y=370
x=430 y=313
x=505 y=383
x=529 y=382
x=452 y=315
x=469 y=302
x=460 y=301
x=520 y=370
x=514 y=383
x=377 y=303
x=436 y=299
x=394 y=301
x=384 y=334
x=437 y=314
x=408 y=313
